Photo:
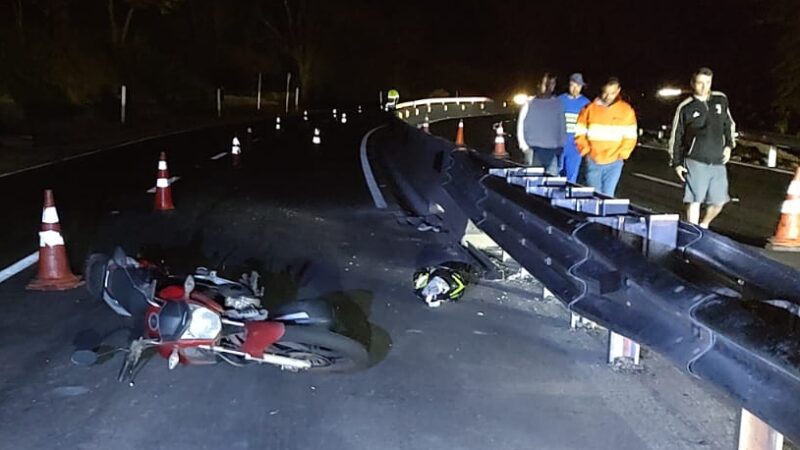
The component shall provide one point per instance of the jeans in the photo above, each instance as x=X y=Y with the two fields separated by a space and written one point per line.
x=549 y=158
x=571 y=160
x=603 y=177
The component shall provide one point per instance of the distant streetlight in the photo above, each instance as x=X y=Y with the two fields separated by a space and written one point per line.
x=521 y=98
x=669 y=92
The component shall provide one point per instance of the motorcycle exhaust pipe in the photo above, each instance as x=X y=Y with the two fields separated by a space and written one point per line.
x=267 y=358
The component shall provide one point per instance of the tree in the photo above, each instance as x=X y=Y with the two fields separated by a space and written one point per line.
x=292 y=23
x=119 y=36
x=787 y=71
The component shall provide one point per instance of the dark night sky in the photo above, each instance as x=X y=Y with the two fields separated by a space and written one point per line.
x=497 y=48
x=480 y=47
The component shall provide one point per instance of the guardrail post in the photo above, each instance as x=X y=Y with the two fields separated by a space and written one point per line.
x=258 y=95
x=757 y=435
x=660 y=235
x=577 y=321
x=123 y=103
x=620 y=347
x=772 y=158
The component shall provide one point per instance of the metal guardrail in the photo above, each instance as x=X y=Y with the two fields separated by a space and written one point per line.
x=704 y=301
x=442 y=101
x=418 y=111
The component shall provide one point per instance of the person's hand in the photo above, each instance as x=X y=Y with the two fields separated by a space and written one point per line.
x=680 y=171
x=726 y=155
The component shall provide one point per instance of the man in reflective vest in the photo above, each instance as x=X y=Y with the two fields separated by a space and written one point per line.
x=606 y=134
x=573 y=102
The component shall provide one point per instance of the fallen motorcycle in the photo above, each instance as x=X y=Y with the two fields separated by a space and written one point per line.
x=203 y=318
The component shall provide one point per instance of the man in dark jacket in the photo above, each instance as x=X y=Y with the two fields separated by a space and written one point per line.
x=703 y=134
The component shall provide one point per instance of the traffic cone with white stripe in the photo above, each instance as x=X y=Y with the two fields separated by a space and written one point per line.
x=163 y=201
x=426 y=125
x=236 y=151
x=317 y=139
x=460 y=135
x=500 y=144
x=787 y=235
x=54 y=272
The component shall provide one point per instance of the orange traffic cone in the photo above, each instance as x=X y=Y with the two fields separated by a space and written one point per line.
x=54 y=272
x=163 y=200
x=787 y=235
x=500 y=144
x=460 y=134
x=236 y=148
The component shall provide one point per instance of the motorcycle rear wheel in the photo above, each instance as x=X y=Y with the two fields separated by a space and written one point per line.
x=326 y=350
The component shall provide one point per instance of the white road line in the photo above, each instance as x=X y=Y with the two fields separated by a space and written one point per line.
x=652 y=147
x=172 y=180
x=219 y=156
x=658 y=180
x=19 y=266
x=737 y=163
x=369 y=177
x=770 y=169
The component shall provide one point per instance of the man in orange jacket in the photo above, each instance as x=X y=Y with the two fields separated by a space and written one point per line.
x=606 y=132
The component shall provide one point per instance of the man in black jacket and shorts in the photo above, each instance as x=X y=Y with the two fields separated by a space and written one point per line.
x=700 y=145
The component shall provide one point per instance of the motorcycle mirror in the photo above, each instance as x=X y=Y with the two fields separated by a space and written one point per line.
x=84 y=357
x=188 y=285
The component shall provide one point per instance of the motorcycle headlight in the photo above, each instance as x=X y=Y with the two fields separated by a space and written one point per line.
x=204 y=324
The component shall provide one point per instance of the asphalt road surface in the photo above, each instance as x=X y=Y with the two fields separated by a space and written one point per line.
x=498 y=370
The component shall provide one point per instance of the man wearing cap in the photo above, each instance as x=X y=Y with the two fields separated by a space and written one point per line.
x=542 y=128
x=573 y=102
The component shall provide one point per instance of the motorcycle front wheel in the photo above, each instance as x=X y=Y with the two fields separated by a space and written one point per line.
x=326 y=350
